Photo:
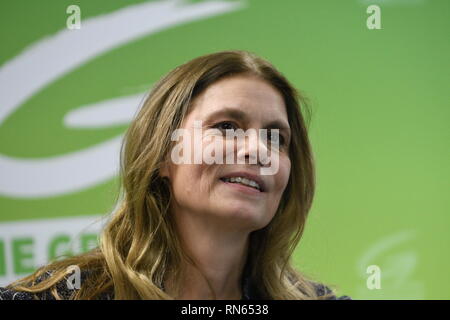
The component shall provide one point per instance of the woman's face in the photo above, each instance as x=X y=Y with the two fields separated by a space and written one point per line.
x=238 y=102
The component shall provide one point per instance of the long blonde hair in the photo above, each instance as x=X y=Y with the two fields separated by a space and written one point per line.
x=139 y=247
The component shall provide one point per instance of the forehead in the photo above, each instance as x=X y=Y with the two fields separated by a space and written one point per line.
x=252 y=95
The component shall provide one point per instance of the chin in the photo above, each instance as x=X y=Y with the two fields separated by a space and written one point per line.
x=247 y=218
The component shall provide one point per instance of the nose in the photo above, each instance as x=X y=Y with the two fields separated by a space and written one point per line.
x=252 y=150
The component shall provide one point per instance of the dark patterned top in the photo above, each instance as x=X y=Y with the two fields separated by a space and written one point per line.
x=249 y=292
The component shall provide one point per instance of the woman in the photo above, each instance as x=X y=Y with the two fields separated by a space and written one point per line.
x=203 y=230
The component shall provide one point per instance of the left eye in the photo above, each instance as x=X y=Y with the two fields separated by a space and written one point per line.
x=280 y=137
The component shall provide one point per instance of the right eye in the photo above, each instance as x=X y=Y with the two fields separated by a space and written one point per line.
x=225 y=125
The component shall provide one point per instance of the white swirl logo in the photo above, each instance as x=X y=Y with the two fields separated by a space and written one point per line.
x=52 y=57
x=388 y=265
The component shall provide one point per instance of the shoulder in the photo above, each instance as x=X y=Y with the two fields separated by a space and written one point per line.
x=322 y=290
x=63 y=288
x=9 y=294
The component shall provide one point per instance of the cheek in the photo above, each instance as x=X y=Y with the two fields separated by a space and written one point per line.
x=282 y=177
x=191 y=181
x=182 y=178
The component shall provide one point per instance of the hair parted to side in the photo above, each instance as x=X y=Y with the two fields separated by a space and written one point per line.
x=139 y=247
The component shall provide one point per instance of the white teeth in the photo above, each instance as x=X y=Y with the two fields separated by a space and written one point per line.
x=254 y=184
x=243 y=181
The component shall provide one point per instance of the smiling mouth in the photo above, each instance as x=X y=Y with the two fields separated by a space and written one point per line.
x=247 y=183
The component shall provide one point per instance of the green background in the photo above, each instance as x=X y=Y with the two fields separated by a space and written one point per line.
x=380 y=126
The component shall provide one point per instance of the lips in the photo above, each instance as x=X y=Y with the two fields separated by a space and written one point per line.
x=249 y=176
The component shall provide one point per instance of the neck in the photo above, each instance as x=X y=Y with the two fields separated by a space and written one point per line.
x=219 y=256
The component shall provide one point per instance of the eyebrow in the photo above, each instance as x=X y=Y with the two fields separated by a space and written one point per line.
x=243 y=116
